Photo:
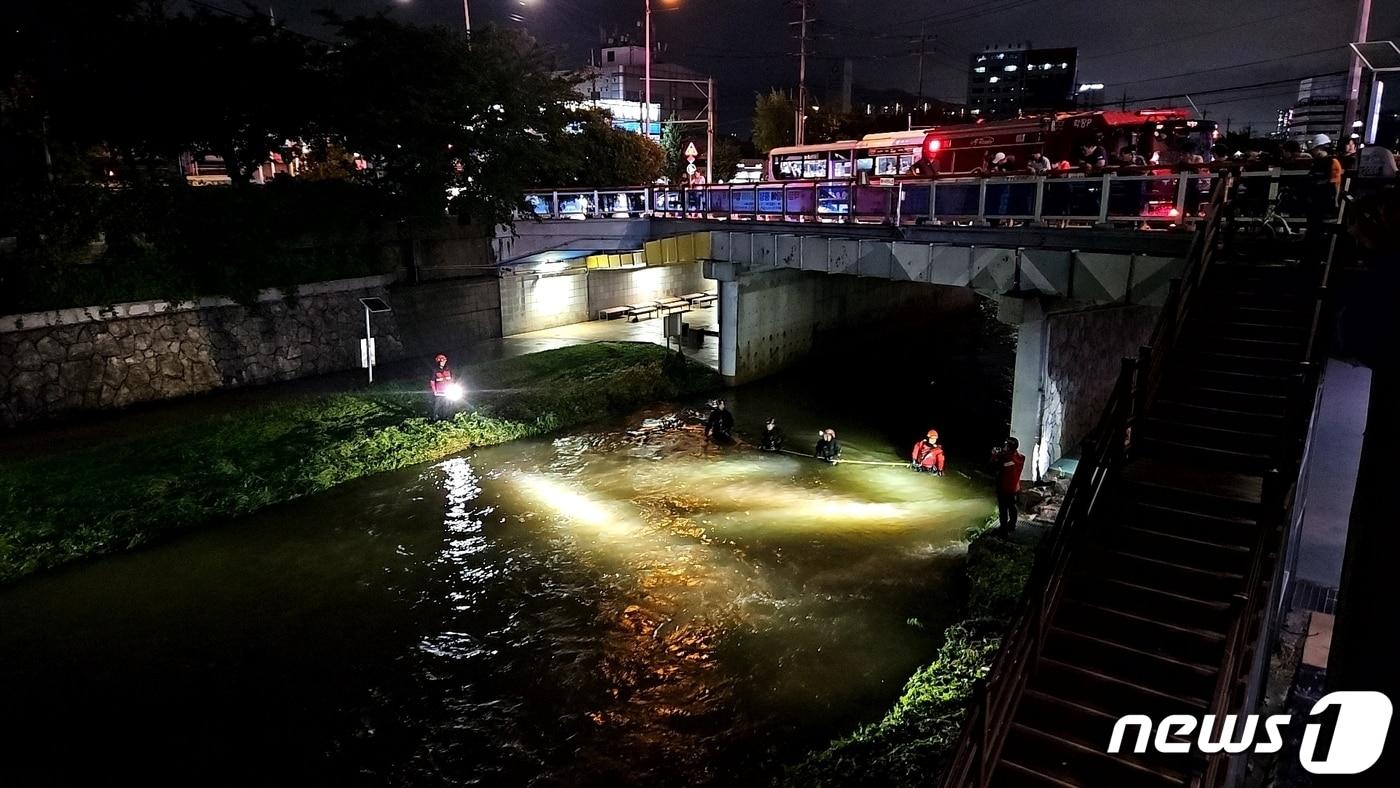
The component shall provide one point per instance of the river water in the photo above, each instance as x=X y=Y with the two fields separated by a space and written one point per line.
x=624 y=605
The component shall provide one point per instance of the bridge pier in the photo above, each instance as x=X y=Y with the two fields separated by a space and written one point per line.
x=1067 y=361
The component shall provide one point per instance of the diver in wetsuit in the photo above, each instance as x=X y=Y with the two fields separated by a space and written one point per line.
x=720 y=424
x=828 y=448
x=772 y=437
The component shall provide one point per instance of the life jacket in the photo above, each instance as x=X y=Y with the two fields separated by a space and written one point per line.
x=928 y=456
x=441 y=377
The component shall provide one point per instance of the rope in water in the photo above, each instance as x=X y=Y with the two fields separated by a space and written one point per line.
x=844 y=462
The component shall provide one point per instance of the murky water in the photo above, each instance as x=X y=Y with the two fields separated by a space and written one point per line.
x=619 y=606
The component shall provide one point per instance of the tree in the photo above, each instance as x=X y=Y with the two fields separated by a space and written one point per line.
x=595 y=153
x=674 y=146
x=727 y=154
x=773 y=117
x=434 y=110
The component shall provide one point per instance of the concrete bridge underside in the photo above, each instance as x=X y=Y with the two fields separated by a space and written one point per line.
x=1080 y=300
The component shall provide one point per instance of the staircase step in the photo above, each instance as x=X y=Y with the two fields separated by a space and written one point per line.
x=1198 y=378
x=1164 y=605
x=1093 y=726
x=1114 y=694
x=1011 y=774
x=1264 y=404
x=1253 y=365
x=1146 y=634
x=1097 y=651
x=1163 y=573
x=1083 y=764
x=1191 y=488
x=1273 y=316
x=1167 y=545
x=1168 y=518
x=1220 y=418
x=1215 y=436
x=1248 y=332
x=1204 y=456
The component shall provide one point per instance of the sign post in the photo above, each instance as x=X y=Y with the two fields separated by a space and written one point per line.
x=372 y=306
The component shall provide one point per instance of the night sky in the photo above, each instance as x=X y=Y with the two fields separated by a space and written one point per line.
x=1148 y=49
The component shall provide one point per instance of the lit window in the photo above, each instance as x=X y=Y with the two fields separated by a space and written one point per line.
x=1064 y=65
x=980 y=69
x=1001 y=57
x=977 y=112
x=994 y=79
x=1009 y=68
x=982 y=59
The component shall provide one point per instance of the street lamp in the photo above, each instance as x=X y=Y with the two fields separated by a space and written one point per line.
x=646 y=103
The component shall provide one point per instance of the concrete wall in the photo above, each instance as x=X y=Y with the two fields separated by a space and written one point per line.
x=448 y=315
x=530 y=302
x=1085 y=353
x=779 y=317
x=109 y=357
x=639 y=285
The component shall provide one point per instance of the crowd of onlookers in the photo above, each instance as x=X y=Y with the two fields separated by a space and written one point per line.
x=1092 y=156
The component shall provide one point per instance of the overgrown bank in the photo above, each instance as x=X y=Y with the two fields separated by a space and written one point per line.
x=911 y=745
x=96 y=499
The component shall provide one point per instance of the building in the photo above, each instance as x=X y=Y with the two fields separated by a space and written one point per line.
x=1320 y=107
x=1005 y=81
x=618 y=76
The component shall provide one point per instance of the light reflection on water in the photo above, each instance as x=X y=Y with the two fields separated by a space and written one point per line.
x=624 y=606
x=732 y=593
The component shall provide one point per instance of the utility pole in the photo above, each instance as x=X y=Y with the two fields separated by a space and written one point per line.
x=1353 y=96
x=710 y=130
x=800 y=125
x=467 y=15
x=923 y=38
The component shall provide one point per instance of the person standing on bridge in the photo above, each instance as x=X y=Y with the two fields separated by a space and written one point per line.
x=720 y=424
x=927 y=456
x=1007 y=464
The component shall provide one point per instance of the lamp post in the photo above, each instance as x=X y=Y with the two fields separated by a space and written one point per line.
x=467 y=15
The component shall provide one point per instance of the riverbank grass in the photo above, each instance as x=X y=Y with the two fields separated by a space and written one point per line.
x=96 y=499
x=911 y=744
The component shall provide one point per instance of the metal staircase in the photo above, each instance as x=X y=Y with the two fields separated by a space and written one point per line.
x=1150 y=594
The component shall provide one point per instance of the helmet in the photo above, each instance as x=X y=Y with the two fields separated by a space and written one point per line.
x=440 y=358
x=933 y=435
x=1319 y=140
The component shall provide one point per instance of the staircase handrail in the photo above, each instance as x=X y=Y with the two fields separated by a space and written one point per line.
x=994 y=703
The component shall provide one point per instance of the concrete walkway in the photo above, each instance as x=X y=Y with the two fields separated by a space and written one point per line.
x=619 y=330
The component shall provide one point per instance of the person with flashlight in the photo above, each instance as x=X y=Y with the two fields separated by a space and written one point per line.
x=927 y=456
x=446 y=392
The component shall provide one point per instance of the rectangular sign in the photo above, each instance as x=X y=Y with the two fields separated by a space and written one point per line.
x=366 y=353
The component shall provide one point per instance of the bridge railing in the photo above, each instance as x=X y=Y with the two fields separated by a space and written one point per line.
x=1143 y=201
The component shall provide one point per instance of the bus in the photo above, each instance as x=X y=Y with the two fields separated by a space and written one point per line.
x=1160 y=136
x=885 y=155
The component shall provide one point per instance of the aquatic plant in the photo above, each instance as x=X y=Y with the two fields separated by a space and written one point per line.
x=121 y=492
x=909 y=746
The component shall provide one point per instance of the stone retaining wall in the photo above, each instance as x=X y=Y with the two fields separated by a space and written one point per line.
x=111 y=357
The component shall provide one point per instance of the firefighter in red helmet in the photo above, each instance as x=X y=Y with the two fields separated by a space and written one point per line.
x=442 y=388
x=927 y=455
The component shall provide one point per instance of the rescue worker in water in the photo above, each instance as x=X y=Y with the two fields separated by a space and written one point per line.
x=927 y=456
x=438 y=381
x=828 y=448
x=720 y=424
x=772 y=437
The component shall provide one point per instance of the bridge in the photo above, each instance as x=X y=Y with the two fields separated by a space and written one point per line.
x=1071 y=263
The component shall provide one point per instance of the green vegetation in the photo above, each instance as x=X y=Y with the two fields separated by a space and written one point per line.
x=909 y=747
x=102 y=498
